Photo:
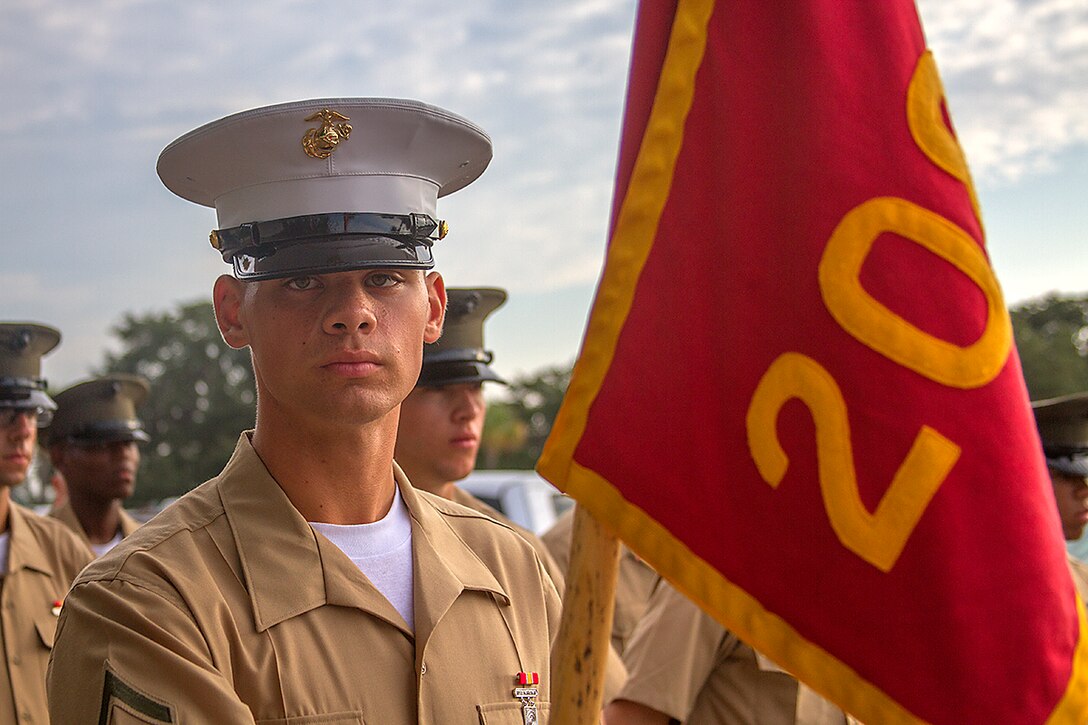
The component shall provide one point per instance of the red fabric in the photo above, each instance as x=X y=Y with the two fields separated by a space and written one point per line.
x=798 y=117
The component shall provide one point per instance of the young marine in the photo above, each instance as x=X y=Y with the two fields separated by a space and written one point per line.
x=93 y=443
x=442 y=419
x=309 y=581
x=39 y=556
x=1063 y=431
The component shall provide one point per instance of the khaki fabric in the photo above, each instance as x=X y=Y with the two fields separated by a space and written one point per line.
x=1079 y=570
x=229 y=608
x=466 y=499
x=634 y=582
x=43 y=559
x=615 y=673
x=67 y=516
x=684 y=664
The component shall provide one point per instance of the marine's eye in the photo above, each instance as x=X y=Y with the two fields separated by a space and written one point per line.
x=301 y=283
x=382 y=279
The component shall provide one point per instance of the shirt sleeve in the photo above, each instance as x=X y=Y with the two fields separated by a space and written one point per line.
x=125 y=653
x=671 y=653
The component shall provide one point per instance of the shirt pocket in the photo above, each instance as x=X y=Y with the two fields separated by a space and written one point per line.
x=511 y=713
x=47 y=629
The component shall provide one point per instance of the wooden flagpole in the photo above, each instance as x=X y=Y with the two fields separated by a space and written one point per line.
x=585 y=630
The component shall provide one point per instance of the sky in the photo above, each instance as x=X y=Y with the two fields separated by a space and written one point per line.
x=93 y=90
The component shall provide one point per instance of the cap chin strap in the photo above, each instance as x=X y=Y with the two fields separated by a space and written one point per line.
x=417 y=229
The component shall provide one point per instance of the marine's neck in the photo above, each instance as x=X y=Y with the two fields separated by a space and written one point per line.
x=336 y=474
x=99 y=519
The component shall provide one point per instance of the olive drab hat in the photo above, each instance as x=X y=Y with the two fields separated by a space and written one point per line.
x=1063 y=429
x=22 y=345
x=102 y=410
x=326 y=185
x=459 y=355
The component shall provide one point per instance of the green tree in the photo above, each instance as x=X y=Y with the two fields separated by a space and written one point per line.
x=528 y=413
x=202 y=396
x=505 y=434
x=1052 y=339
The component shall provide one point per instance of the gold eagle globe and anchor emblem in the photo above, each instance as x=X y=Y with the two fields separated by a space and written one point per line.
x=321 y=142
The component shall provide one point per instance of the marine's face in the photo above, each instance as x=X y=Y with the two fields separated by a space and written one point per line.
x=18 y=433
x=333 y=349
x=98 y=471
x=439 y=433
x=1071 y=493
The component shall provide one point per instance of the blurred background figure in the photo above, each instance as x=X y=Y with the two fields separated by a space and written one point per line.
x=93 y=443
x=635 y=579
x=39 y=558
x=1063 y=430
x=685 y=667
x=442 y=419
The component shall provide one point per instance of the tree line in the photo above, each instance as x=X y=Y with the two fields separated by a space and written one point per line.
x=202 y=391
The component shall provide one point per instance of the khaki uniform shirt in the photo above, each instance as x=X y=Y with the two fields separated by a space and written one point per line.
x=615 y=673
x=466 y=499
x=67 y=516
x=229 y=608
x=634 y=582
x=684 y=664
x=43 y=559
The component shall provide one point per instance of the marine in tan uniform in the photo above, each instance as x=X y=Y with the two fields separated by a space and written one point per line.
x=442 y=419
x=1063 y=430
x=93 y=443
x=39 y=556
x=310 y=582
x=635 y=579
x=685 y=667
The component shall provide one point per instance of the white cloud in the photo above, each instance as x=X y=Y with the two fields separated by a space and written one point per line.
x=1016 y=74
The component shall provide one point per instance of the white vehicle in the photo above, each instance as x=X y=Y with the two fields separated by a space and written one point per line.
x=523 y=496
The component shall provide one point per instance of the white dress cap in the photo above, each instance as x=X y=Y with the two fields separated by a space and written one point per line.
x=331 y=156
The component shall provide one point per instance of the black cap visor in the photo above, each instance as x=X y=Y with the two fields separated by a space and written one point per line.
x=111 y=431
x=1075 y=465
x=435 y=375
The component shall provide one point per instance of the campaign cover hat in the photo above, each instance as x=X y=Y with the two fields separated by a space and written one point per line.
x=326 y=185
x=459 y=355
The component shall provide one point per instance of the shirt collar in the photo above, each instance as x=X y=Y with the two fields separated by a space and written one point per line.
x=67 y=516
x=276 y=545
x=23 y=549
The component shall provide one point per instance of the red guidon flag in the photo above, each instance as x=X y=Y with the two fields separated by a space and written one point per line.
x=798 y=397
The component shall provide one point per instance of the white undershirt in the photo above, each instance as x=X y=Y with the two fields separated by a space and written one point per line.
x=100 y=549
x=5 y=539
x=383 y=551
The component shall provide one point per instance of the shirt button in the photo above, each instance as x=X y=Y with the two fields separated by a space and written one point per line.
x=16 y=660
x=423 y=669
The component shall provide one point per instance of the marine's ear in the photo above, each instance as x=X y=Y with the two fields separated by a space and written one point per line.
x=227 y=296
x=436 y=304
